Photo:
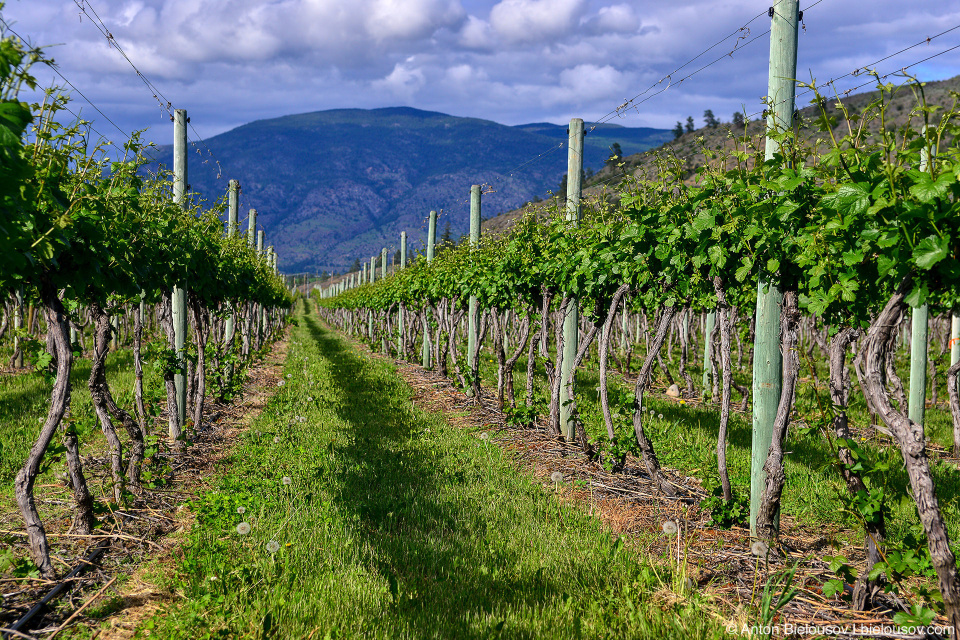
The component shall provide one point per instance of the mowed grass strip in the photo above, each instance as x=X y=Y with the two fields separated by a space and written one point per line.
x=346 y=511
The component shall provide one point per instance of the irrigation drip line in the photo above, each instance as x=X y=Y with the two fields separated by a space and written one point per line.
x=64 y=582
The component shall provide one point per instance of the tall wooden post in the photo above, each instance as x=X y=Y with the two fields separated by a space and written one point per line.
x=179 y=297
x=233 y=190
x=571 y=321
x=373 y=271
x=17 y=325
x=474 y=243
x=400 y=318
x=954 y=339
x=261 y=312
x=919 y=326
x=767 y=360
x=252 y=228
x=431 y=243
x=711 y=322
x=383 y=275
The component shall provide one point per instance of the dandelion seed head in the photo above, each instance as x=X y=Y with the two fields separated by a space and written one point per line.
x=280 y=384
x=660 y=416
x=484 y=436
x=273 y=546
x=241 y=510
x=289 y=375
x=310 y=399
x=276 y=439
x=670 y=527
x=759 y=548
x=556 y=476
x=243 y=528
x=286 y=480
x=40 y=420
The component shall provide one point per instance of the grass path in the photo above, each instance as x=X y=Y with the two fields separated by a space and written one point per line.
x=369 y=517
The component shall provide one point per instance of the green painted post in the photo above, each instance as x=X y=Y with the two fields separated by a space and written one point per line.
x=431 y=242
x=919 y=325
x=232 y=225
x=179 y=297
x=918 y=363
x=954 y=339
x=383 y=275
x=252 y=228
x=571 y=322
x=767 y=360
x=432 y=236
x=372 y=272
x=403 y=265
x=17 y=325
x=624 y=322
x=474 y=243
x=233 y=190
x=261 y=251
x=708 y=352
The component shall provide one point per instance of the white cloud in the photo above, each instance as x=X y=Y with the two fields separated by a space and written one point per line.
x=410 y=19
x=535 y=20
x=618 y=18
x=232 y=61
x=588 y=83
x=403 y=82
x=476 y=34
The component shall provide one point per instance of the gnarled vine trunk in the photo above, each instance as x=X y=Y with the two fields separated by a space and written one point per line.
x=954 y=396
x=23 y=484
x=723 y=322
x=553 y=369
x=97 y=385
x=604 y=348
x=865 y=589
x=647 y=451
x=165 y=317
x=201 y=332
x=871 y=367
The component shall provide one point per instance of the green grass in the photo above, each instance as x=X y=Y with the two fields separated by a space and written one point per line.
x=25 y=399
x=397 y=525
x=685 y=438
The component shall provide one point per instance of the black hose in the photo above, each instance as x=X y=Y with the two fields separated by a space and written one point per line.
x=88 y=561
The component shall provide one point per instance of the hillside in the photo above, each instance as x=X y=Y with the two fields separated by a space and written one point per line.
x=688 y=147
x=334 y=186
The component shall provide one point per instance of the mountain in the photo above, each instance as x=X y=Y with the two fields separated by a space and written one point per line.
x=333 y=186
x=601 y=136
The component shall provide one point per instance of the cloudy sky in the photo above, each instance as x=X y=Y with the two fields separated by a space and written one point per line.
x=233 y=61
